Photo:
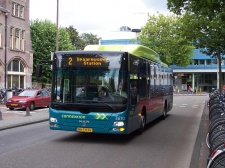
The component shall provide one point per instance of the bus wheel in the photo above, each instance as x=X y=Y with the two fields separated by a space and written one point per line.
x=142 y=125
x=164 y=114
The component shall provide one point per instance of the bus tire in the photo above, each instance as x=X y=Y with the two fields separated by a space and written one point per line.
x=142 y=125
x=163 y=117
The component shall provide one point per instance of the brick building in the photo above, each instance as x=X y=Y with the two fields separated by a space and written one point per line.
x=16 y=56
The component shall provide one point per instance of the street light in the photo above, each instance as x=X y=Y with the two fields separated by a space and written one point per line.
x=5 y=12
x=57 y=29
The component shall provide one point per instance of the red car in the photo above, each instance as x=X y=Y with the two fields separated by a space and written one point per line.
x=31 y=98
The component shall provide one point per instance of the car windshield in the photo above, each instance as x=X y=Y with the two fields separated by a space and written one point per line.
x=28 y=93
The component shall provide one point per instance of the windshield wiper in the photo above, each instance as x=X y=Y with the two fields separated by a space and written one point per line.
x=104 y=103
x=96 y=101
x=91 y=101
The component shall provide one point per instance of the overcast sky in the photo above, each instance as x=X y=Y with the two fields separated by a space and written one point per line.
x=97 y=16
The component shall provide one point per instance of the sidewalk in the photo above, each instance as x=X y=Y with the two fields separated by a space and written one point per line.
x=191 y=94
x=12 y=119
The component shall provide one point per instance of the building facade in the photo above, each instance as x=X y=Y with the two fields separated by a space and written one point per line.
x=16 y=56
x=202 y=73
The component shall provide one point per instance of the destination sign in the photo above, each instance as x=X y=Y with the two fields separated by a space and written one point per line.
x=90 y=61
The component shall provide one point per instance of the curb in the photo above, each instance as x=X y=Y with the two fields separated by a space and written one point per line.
x=190 y=94
x=200 y=152
x=22 y=124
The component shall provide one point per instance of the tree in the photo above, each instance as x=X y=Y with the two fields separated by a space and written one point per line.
x=43 y=38
x=208 y=18
x=75 y=38
x=163 y=34
x=89 y=38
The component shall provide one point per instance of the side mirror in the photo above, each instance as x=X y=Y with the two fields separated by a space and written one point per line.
x=38 y=71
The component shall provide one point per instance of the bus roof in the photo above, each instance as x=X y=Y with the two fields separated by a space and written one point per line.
x=137 y=50
x=164 y=65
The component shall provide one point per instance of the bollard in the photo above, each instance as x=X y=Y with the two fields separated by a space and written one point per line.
x=1 y=115
x=28 y=111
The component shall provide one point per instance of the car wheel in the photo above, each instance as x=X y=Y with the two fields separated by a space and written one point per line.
x=31 y=106
x=11 y=108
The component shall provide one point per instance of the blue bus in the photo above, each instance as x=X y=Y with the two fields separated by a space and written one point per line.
x=112 y=89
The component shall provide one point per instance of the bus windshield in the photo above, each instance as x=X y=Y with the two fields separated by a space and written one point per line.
x=80 y=87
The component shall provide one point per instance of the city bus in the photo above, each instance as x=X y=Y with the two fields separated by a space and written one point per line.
x=111 y=89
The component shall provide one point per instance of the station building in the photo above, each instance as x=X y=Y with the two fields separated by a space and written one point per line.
x=202 y=73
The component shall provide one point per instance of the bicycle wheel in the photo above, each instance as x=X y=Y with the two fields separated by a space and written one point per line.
x=217 y=140
x=215 y=131
x=217 y=116
x=215 y=111
x=218 y=161
x=215 y=124
x=214 y=102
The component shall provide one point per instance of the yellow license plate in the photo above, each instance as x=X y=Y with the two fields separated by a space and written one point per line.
x=79 y=129
x=14 y=104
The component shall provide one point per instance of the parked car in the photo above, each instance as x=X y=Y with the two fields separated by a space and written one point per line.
x=31 y=98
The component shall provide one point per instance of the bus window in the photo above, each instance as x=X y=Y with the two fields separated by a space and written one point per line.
x=143 y=87
x=133 y=92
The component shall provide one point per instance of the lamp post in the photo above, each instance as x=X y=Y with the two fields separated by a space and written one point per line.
x=57 y=31
x=5 y=12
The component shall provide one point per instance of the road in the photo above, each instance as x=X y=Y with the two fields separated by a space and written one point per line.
x=165 y=143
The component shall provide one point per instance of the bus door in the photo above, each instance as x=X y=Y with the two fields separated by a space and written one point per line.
x=134 y=97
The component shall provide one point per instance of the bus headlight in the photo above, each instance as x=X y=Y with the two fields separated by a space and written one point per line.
x=118 y=123
x=53 y=119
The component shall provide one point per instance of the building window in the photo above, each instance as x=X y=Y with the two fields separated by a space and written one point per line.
x=195 y=62
x=17 y=79
x=17 y=10
x=13 y=8
x=11 y=40
x=0 y=35
x=214 y=61
x=17 y=34
x=16 y=74
x=202 y=62
x=17 y=39
x=15 y=66
x=21 y=11
x=208 y=62
x=23 y=41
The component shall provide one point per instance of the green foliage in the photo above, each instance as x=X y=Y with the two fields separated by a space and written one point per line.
x=89 y=38
x=75 y=38
x=203 y=23
x=164 y=35
x=83 y=40
x=205 y=19
x=43 y=38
